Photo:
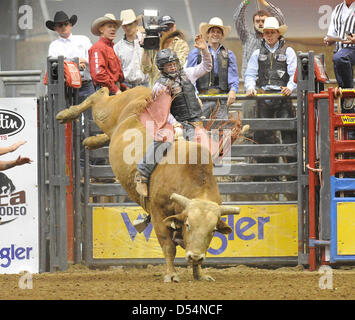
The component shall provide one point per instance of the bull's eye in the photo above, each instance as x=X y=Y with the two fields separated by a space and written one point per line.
x=187 y=226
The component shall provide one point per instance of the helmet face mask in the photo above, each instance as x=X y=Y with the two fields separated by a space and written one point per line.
x=167 y=56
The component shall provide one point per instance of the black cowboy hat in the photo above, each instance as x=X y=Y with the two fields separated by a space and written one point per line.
x=60 y=17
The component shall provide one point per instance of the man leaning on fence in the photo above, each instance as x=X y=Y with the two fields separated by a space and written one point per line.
x=223 y=78
x=251 y=39
x=71 y=46
x=272 y=69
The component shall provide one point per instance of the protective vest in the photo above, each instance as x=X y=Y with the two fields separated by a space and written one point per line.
x=273 y=66
x=210 y=79
x=185 y=106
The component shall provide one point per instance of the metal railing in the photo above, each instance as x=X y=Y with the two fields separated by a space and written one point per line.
x=20 y=78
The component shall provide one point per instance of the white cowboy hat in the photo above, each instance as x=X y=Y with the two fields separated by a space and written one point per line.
x=108 y=17
x=214 y=22
x=128 y=16
x=271 y=23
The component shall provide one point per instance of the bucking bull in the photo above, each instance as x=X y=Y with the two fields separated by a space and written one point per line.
x=182 y=197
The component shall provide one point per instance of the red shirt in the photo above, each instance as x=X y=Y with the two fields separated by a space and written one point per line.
x=105 y=66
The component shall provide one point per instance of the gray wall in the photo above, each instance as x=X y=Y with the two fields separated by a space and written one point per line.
x=28 y=49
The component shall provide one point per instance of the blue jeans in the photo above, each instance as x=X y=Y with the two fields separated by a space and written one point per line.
x=343 y=61
x=210 y=107
x=154 y=154
x=157 y=149
x=86 y=90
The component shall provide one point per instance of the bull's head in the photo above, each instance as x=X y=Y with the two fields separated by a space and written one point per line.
x=199 y=221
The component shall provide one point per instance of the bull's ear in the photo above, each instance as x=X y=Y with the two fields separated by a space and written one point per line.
x=176 y=221
x=222 y=227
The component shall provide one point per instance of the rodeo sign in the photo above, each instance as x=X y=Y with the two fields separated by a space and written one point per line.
x=19 y=232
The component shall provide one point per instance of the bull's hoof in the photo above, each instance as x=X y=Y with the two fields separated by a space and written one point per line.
x=171 y=278
x=96 y=142
x=66 y=115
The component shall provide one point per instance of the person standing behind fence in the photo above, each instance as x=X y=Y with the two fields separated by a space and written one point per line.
x=251 y=40
x=170 y=38
x=129 y=50
x=173 y=39
x=223 y=78
x=71 y=46
x=272 y=69
x=342 y=27
x=105 y=66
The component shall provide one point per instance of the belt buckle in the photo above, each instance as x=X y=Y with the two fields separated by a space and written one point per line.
x=198 y=124
x=213 y=91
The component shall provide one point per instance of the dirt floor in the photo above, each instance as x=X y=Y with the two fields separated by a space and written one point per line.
x=232 y=283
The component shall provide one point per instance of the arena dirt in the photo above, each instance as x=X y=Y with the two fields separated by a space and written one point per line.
x=232 y=283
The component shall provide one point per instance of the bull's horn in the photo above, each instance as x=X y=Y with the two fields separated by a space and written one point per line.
x=181 y=200
x=229 y=210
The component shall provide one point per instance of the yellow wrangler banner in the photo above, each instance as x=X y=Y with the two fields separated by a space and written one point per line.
x=346 y=228
x=258 y=231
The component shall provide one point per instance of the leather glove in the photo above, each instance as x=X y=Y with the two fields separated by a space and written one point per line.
x=178 y=131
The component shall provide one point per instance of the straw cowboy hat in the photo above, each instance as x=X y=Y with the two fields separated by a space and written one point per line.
x=99 y=22
x=128 y=16
x=271 y=23
x=215 y=22
x=61 y=17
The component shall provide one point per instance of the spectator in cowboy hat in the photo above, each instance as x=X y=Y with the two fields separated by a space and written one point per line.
x=71 y=46
x=129 y=50
x=105 y=66
x=271 y=68
x=251 y=40
x=223 y=78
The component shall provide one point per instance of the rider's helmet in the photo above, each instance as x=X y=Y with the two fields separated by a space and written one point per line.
x=165 y=56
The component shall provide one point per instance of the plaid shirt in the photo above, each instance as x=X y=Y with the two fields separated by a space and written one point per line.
x=250 y=40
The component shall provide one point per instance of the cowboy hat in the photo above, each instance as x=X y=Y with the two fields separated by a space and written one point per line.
x=271 y=23
x=128 y=16
x=214 y=22
x=60 y=17
x=99 y=22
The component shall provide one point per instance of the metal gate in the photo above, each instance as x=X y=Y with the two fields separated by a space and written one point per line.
x=100 y=188
x=59 y=177
x=93 y=185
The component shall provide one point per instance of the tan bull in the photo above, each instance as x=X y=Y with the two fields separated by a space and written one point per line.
x=181 y=196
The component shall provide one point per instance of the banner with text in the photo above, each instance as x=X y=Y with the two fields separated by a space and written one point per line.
x=19 y=231
x=258 y=231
